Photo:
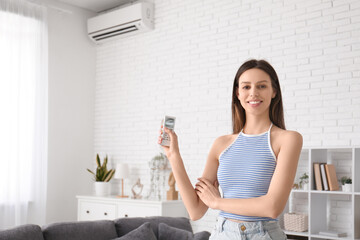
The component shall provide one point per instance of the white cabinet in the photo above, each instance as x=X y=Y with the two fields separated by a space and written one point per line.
x=96 y=208
x=94 y=211
x=328 y=210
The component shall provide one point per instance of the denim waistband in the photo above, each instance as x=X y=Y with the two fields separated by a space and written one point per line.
x=246 y=227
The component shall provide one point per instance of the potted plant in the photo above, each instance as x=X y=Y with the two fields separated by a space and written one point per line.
x=346 y=184
x=304 y=181
x=102 y=177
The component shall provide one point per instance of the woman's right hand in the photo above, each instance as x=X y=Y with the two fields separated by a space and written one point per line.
x=173 y=149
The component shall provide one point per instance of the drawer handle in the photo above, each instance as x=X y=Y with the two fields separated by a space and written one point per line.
x=87 y=211
x=126 y=215
x=105 y=214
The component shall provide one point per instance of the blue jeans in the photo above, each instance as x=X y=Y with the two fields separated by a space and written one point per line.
x=261 y=230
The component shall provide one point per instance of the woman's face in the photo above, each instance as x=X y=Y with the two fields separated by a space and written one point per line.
x=255 y=91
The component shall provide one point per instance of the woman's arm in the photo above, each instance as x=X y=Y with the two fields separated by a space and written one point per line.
x=195 y=207
x=273 y=203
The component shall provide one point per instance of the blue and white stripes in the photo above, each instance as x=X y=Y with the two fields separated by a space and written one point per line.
x=245 y=170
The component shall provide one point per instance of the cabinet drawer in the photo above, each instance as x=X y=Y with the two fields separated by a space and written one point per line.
x=97 y=211
x=138 y=211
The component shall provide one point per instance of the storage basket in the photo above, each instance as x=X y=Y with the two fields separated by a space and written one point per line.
x=297 y=222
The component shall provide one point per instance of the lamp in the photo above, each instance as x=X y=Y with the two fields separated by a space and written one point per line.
x=121 y=172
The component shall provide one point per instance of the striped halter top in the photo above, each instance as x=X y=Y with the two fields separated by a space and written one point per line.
x=245 y=170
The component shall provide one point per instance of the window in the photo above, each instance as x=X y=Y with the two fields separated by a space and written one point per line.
x=23 y=106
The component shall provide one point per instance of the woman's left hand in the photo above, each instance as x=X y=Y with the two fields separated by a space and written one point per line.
x=208 y=192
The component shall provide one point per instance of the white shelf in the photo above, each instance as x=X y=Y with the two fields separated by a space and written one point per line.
x=329 y=237
x=299 y=191
x=324 y=192
x=331 y=192
x=326 y=209
x=303 y=234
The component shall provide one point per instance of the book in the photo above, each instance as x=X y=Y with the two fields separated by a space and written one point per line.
x=331 y=177
x=317 y=176
x=323 y=177
x=332 y=233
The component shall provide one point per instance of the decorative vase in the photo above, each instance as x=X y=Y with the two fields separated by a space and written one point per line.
x=347 y=187
x=305 y=186
x=102 y=188
x=158 y=174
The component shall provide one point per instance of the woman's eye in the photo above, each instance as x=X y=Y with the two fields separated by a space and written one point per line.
x=262 y=86
x=246 y=87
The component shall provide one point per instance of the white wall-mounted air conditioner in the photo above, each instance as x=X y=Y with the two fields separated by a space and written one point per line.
x=121 y=22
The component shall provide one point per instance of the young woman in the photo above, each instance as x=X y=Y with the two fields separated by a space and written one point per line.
x=255 y=166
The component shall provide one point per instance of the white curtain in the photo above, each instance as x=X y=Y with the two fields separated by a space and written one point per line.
x=23 y=113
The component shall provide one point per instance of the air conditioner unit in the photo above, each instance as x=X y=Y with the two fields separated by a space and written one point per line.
x=121 y=22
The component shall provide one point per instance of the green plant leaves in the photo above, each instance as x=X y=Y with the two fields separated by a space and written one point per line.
x=102 y=174
x=98 y=160
x=109 y=175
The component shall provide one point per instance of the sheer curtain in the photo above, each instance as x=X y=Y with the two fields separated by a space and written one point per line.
x=23 y=112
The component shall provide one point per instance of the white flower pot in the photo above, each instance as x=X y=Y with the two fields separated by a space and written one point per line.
x=305 y=186
x=347 y=187
x=102 y=188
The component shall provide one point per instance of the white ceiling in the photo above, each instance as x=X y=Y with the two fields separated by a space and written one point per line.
x=96 y=5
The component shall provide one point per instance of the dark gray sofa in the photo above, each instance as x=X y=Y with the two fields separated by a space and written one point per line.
x=160 y=228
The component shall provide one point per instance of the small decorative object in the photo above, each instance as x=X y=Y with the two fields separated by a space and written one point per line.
x=304 y=181
x=295 y=186
x=172 y=194
x=346 y=184
x=137 y=189
x=297 y=222
x=122 y=171
x=102 y=177
x=158 y=167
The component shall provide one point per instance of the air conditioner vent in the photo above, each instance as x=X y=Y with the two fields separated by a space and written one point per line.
x=124 y=21
x=115 y=33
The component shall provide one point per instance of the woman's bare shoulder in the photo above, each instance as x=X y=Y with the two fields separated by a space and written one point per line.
x=287 y=136
x=225 y=138
x=286 y=140
x=222 y=142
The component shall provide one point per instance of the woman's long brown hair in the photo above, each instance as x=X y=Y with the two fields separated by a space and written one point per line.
x=276 y=111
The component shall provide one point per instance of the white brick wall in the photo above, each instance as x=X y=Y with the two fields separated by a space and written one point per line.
x=186 y=66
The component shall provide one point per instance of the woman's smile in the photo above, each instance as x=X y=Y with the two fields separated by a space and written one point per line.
x=254 y=103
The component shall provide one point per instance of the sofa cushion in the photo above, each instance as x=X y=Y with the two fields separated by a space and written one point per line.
x=125 y=225
x=86 y=230
x=144 y=232
x=172 y=233
x=29 y=231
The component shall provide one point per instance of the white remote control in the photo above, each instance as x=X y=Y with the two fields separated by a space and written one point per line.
x=168 y=122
